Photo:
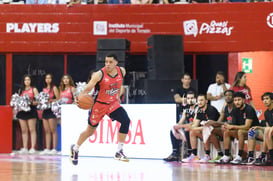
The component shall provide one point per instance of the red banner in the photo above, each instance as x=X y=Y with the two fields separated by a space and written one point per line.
x=221 y=27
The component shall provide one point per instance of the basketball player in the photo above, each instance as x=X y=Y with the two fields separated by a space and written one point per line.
x=243 y=118
x=187 y=118
x=107 y=81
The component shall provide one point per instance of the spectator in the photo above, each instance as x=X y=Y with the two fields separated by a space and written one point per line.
x=216 y=91
x=36 y=1
x=239 y=84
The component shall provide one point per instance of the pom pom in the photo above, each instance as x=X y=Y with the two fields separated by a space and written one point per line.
x=43 y=101
x=20 y=103
x=80 y=86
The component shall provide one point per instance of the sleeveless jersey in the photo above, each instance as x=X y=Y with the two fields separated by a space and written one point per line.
x=29 y=92
x=189 y=114
x=49 y=91
x=108 y=87
x=228 y=114
x=67 y=94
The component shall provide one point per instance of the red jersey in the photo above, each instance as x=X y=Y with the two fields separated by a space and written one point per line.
x=245 y=91
x=29 y=92
x=49 y=91
x=67 y=94
x=109 y=86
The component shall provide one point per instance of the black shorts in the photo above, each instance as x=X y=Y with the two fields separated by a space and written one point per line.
x=48 y=114
x=28 y=115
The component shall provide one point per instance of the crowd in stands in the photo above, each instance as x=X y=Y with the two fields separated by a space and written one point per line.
x=121 y=1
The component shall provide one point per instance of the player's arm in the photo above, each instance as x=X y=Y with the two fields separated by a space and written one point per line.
x=220 y=120
x=122 y=89
x=183 y=118
x=35 y=92
x=56 y=93
x=246 y=126
x=96 y=77
x=181 y=124
x=195 y=124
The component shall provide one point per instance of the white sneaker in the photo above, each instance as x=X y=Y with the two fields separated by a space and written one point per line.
x=191 y=158
x=45 y=152
x=224 y=160
x=204 y=159
x=53 y=152
x=237 y=160
x=23 y=151
x=32 y=151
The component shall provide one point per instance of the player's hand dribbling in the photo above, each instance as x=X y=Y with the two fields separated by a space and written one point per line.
x=76 y=100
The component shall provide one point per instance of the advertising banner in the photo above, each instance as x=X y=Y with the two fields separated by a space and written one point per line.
x=148 y=137
x=219 y=27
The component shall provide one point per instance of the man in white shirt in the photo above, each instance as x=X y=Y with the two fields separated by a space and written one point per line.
x=216 y=91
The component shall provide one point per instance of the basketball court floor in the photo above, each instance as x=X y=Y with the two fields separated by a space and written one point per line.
x=55 y=168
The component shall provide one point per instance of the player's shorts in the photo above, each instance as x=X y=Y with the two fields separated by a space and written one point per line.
x=99 y=110
x=48 y=114
x=29 y=114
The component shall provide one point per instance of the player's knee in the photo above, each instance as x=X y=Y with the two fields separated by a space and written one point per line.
x=124 y=125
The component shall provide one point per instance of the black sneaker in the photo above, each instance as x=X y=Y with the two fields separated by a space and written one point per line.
x=260 y=161
x=171 y=158
x=120 y=156
x=248 y=161
x=74 y=155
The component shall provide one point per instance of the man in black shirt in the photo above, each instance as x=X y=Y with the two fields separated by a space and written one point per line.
x=187 y=118
x=225 y=117
x=204 y=113
x=180 y=95
x=243 y=118
x=261 y=133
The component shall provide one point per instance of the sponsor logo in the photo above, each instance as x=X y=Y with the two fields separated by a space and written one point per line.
x=269 y=20
x=105 y=28
x=190 y=27
x=100 y=27
x=32 y=27
x=110 y=134
x=214 y=27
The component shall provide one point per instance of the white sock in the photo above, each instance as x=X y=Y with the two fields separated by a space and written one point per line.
x=120 y=146
x=76 y=147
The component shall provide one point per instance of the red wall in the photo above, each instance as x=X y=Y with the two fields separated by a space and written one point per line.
x=56 y=28
x=260 y=80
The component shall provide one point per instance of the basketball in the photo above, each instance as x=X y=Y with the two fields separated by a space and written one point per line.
x=85 y=101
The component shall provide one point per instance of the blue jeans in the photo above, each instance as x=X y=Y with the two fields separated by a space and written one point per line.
x=39 y=1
